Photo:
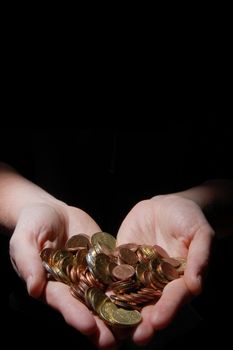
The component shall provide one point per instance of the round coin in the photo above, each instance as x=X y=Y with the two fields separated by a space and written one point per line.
x=161 y=252
x=103 y=238
x=46 y=254
x=127 y=256
x=123 y=272
x=169 y=271
x=106 y=311
x=77 y=241
x=126 y=318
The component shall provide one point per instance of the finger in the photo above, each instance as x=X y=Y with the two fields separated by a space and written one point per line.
x=74 y=312
x=144 y=331
x=81 y=222
x=27 y=261
x=103 y=338
x=175 y=294
x=197 y=260
x=122 y=333
x=77 y=315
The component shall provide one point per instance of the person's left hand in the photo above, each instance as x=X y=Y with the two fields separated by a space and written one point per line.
x=179 y=226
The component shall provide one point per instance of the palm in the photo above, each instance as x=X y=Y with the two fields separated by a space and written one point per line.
x=179 y=226
x=43 y=226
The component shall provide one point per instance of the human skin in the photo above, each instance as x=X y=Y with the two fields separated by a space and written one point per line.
x=177 y=222
x=39 y=220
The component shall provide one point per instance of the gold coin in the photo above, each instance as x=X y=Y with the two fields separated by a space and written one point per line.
x=64 y=265
x=148 y=252
x=103 y=238
x=140 y=269
x=61 y=275
x=55 y=273
x=106 y=311
x=100 y=269
x=60 y=254
x=126 y=318
x=97 y=298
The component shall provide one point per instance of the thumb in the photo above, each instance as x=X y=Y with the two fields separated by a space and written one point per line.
x=198 y=259
x=26 y=261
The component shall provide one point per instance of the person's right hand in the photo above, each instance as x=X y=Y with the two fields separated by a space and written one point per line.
x=50 y=224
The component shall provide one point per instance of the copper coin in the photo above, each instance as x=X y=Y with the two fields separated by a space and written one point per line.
x=46 y=254
x=123 y=272
x=77 y=241
x=169 y=271
x=172 y=261
x=162 y=252
x=128 y=256
x=131 y=246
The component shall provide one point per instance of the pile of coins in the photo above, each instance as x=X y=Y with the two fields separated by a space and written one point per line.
x=113 y=281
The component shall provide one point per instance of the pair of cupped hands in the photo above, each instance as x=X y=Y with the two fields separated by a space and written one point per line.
x=175 y=223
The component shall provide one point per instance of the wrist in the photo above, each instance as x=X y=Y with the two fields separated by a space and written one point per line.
x=201 y=195
x=38 y=204
x=176 y=199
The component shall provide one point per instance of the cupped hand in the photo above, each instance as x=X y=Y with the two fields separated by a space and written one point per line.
x=179 y=226
x=42 y=225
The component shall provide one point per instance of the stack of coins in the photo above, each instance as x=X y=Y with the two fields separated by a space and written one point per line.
x=113 y=281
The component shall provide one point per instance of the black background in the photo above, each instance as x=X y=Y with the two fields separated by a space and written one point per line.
x=105 y=171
